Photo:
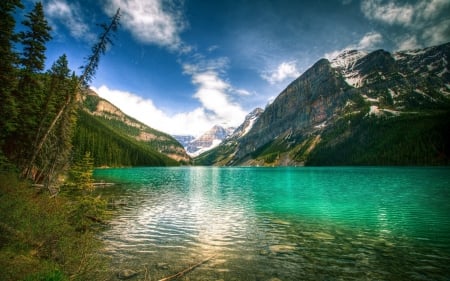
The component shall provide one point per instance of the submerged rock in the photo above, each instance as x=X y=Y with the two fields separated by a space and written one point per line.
x=162 y=265
x=280 y=249
x=323 y=236
x=126 y=274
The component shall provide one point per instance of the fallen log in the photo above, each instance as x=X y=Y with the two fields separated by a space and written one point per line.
x=183 y=272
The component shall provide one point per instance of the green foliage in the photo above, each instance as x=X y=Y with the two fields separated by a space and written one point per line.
x=34 y=39
x=8 y=106
x=81 y=173
x=99 y=49
x=39 y=236
x=215 y=156
x=54 y=275
x=91 y=102
x=405 y=140
x=111 y=147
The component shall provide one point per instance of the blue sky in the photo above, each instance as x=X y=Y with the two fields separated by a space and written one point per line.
x=182 y=66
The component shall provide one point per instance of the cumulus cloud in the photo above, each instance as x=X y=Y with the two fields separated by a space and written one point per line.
x=391 y=13
x=424 y=22
x=152 y=21
x=69 y=15
x=194 y=122
x=283 y=71
x=212 y=91
x=437 y=34
x=369 y=41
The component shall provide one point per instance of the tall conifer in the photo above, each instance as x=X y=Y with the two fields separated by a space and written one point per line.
x=7 y=68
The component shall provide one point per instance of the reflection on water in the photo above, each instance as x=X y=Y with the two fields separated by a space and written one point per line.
x=285 y=223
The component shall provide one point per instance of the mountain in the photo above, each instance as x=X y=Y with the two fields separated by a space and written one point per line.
x=116 y=139
x=223 y=153
x=210 y=139
x=247 y=125
x=360 y=108
x=184 y=140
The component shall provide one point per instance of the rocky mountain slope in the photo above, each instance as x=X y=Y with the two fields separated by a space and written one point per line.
x=116 y=139
x=360 y=108
x=210 y=139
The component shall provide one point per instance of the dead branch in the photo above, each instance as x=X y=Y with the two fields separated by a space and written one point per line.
x=183 y=272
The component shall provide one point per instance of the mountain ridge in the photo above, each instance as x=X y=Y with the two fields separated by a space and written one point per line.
x=135 y=143
x=337 y=102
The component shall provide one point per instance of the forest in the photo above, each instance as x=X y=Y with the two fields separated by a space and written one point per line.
x=39 y=107
x=49 y=211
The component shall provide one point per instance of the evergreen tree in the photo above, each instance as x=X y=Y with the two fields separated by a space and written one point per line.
x=81 y=174
x=34 y=39
x=7 y=68
x=30 y=92
x=99 y=49
x=52 y=147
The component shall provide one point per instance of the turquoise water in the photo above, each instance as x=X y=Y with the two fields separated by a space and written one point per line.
x=280 y=223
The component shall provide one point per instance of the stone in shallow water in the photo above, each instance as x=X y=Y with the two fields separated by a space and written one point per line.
x=322 y=236
x=282 y=222
x=126 y=274
x=162 y=265
x=279 y=249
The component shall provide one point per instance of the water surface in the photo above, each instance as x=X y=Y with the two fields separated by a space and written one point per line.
x=286 y=223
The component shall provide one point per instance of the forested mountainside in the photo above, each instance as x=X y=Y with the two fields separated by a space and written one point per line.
x=115 y=139
x=361 y=108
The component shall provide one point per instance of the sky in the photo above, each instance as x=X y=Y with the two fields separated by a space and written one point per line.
x=183 y=66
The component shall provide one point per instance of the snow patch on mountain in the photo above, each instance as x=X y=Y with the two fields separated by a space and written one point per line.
x=248 y=123
x=346 y=62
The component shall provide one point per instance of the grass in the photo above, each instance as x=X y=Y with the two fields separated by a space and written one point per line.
x=40 y=237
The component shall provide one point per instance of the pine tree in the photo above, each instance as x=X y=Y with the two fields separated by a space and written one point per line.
x=81 y=174
x=8 y=74
x=34 y=39
x=30 y=92
x=51 y=154
x=99 y=49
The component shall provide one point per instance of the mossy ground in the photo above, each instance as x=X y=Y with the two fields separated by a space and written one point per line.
x=40 y=237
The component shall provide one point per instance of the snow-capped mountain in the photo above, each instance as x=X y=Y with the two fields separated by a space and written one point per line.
x=208 y=140
x=247 y=125
x=376 y=108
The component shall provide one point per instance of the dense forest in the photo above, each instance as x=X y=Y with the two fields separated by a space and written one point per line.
x=46 y=232
x=111 y=147
x=39 y=108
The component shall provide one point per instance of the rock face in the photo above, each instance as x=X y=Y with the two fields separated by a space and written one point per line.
x=308 y=101
x=335 y=104
x=247 y=125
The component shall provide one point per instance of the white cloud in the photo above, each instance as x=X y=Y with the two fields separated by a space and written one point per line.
x=242 y=92
x=390 y=12
x=152 y=21
x=430 y=9
x=408 y=43
x=213 y=93
x=195 y=122
x=283 y=71
x=369 y=41
x=425 y=22
x=437 y=34
x=69 y=15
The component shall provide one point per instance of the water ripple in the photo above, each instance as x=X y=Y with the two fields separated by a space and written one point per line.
x=290 y=224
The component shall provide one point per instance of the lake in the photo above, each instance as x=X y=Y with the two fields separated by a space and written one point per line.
x=248 y=223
